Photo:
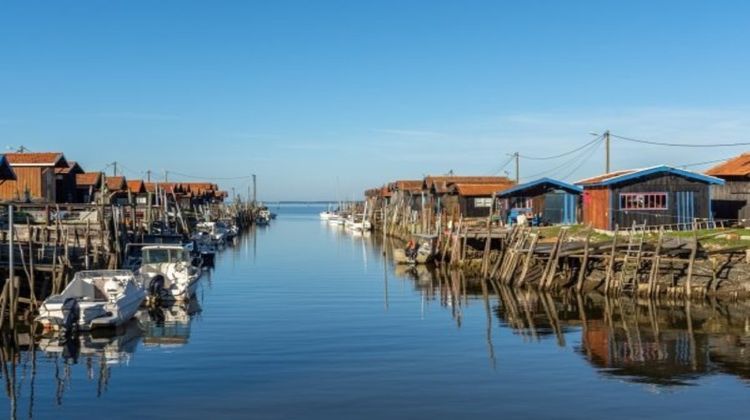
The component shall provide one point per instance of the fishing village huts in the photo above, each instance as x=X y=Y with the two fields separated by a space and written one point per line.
x=656 y=196
x=65 y=180
x=470 y=200
x=88 y=186
x=551 y=201
x=35 y=177
x=731 y=201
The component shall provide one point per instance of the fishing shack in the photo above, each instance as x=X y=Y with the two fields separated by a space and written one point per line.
x=137 y=192
x=655 y=196
x=117 y=190
x=35 y=177
x=731 y=201
x=65 y=180
x=88 y=186
x=472 y=200
x=551 y=201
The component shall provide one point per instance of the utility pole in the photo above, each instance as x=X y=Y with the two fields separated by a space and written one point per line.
x=166 y=175
x=606 y=144
x=148 y=175
x=518 y=167
x=255 y=191
x=114 y=166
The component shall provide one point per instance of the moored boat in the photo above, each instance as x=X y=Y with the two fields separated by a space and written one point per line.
x=169 y=272
x=93 y=299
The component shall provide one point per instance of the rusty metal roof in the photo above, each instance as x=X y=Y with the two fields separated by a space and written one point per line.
x=738 y=166
x=441 y=183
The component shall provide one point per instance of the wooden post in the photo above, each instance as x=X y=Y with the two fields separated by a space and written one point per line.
x=610 y=263
x=691 y=263
x=527 y=261
x=584 y=262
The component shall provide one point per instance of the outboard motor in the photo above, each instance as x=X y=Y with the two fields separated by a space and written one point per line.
x=71 y=314
x=156 y=288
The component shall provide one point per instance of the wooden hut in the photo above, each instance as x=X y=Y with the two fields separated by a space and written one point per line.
x=117 y=190
x=660 y=195
x=436 y=188
x=472 y=200
x=552 y=201
x=731 y=201
x=35 y=177
x=407 y=192
x=137 y=191
x=65 y=180
x=88 y=186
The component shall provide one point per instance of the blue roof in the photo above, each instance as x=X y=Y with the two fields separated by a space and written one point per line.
x=573 y=189
x=662 y=169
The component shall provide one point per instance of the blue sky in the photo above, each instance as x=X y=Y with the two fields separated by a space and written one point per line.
x=305 y=93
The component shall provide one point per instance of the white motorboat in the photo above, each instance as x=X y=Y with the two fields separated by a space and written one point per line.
x=169 y=272
x=94 y=299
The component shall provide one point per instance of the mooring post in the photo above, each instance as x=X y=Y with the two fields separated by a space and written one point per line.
x=11 y=271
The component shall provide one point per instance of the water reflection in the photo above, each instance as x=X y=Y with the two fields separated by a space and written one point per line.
x=664 y=343
x=96 y=352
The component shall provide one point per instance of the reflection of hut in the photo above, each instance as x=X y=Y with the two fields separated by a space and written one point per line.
x=661 y=195
x=557 y=202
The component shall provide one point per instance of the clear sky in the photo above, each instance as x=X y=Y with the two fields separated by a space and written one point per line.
x=305 y=93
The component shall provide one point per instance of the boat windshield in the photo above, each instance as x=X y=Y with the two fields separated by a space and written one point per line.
x=163 y=255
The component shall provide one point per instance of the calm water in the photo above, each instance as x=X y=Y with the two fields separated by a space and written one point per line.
x=300 y=320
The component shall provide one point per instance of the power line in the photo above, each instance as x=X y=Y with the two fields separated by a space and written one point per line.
x=688 y=165
x=567 y=163
x=209 y=178
x=563 y=154
x=659 y=143
x=504 y=166
x=584 y=160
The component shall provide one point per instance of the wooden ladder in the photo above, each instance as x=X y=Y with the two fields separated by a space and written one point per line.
x=631 y=264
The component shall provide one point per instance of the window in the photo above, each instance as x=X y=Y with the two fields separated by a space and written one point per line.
x=643 y=201
x=483 y=202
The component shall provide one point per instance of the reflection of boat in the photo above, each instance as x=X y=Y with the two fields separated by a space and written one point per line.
x=93 y=299
x=168 y=326
x=114 y=346
x=169 y=273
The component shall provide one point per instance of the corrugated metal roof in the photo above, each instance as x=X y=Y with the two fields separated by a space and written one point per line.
x=615 y=178
x=738 y=166
x=541 y=184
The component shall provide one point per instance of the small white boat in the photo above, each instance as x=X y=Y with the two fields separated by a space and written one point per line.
x=326 y=215
x=169 y=272
x=93 y=299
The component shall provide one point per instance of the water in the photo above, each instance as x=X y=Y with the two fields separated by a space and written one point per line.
x=301 y=320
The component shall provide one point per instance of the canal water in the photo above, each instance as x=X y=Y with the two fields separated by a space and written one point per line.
x=303 y=320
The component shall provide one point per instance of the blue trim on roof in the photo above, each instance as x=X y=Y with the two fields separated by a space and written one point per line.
x=656 y=170
x=575 y=189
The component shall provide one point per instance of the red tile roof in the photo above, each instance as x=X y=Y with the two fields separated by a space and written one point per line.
x=89 y=179
x=36 y=159
x=116 y=183
x=738 y=166
x=474 y=190
x=136 y=186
